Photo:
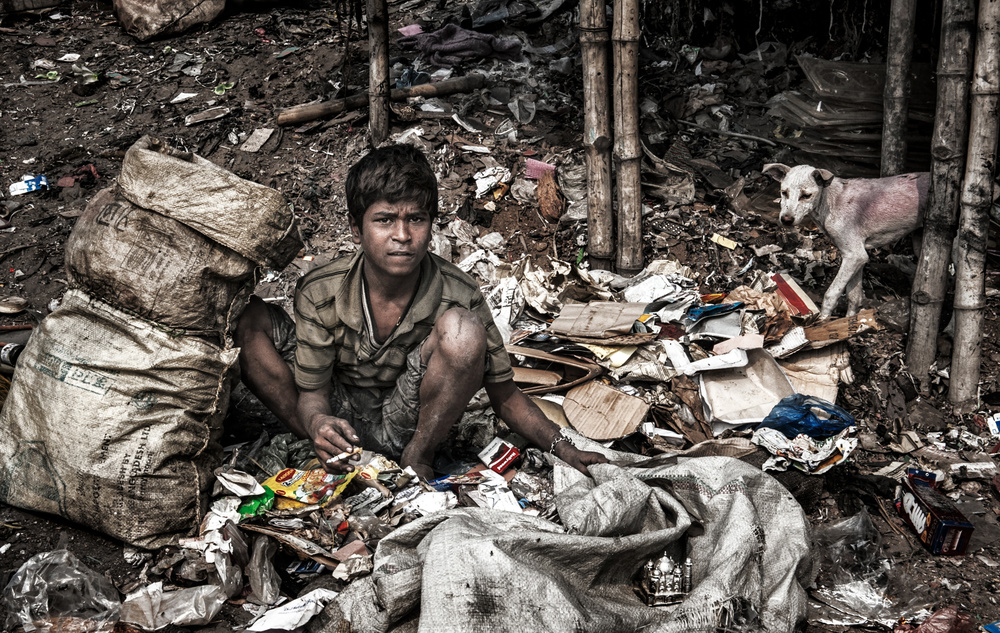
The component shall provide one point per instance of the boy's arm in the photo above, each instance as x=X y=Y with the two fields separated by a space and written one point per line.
x=525 y=418
x=330 y=435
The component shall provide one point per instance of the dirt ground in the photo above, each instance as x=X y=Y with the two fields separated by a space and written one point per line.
x=279 y=56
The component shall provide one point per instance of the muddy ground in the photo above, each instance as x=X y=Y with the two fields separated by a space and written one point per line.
x=276 y=57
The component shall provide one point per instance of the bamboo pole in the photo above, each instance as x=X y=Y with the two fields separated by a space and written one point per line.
x=628 y=152
x=378 y=74
x=896 y=97
x=597 y=133
x=310 y=111
x=974 y=222
x=947 y=164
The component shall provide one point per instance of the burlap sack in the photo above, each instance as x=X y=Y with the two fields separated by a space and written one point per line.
x=114 y=423
x=251 y=219
x=177 y=240
x=156 y=267
x=144 y=19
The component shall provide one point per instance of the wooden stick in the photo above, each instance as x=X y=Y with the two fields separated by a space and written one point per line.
x=378 y=75
x=597 y=133
x=948 y=157
x=974 y=223
x=625 y=55
x=896 y=97
x=296 y=115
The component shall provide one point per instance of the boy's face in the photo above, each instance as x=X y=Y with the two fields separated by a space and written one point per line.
x=394 y=238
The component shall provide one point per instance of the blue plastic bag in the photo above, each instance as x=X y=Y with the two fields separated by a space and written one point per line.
x=794 y=416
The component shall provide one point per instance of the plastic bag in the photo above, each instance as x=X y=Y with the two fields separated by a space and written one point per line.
x=794 y=416
x=857 y=583
x=152 y=608
x=57 y=585
x=264 y=581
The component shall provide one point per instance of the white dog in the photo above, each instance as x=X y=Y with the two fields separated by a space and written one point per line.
x=857 y=214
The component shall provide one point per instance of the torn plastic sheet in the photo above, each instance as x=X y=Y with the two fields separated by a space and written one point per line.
x=858 y=584
x=354 y=567
x=239 y=483
x=265 y=584
x=295 y=614
x=810 y=455
x=55 y=585
x=153 y=608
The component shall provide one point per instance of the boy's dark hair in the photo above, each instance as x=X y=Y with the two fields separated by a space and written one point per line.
x=395 y=173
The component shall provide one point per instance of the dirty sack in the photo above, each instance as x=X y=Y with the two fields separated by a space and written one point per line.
x=177 y=240
x=452 y=45
x=475 y=569
x=145 y=19
x=113 y=420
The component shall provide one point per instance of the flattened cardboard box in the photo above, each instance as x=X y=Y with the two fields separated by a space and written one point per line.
x=602 y=413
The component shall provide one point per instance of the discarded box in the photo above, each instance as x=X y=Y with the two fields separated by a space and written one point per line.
x=499 y=455
x=745 y=395
x=942 y=528
x=603 y=413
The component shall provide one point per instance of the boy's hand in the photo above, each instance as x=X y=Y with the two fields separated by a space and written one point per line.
x=331 y=436
x=578 y=459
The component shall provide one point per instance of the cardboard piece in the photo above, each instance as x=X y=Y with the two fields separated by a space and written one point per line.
x=603 y=413
x=574 y=371
x=798 y=301
x=819 y=372
x=526 y=375
x=597 y=320
x=745 y=395
x=831 y=332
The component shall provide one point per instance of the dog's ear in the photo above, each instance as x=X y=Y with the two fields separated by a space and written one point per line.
x=775 y=170
x=822 y=177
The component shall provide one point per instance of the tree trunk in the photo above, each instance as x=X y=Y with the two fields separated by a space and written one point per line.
x=947 y=164
x=625 y=38
x=897 y=86
x=597 y=133
x=974 y=223
x=378 y=74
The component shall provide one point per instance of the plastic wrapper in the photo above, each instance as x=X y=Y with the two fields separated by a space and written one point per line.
x=56 y=585
x=797 y=415
x=153 y=608
x=811 y=455
x=264 y=581
x=307 y=486
x=857 y=583
x=295 y=614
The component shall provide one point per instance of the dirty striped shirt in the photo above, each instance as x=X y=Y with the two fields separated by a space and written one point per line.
x=333 y=339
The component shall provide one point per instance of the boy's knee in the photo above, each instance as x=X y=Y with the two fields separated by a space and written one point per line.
x=460 y=336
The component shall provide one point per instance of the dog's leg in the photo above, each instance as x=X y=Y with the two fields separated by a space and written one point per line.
x=855 y=292
x=853 y=263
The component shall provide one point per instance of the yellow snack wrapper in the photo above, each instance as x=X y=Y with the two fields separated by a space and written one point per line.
x=307 y=486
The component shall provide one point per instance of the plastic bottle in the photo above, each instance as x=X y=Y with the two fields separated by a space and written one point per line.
x=9 y=352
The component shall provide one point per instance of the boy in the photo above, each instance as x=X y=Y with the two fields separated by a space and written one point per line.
x=391 y=343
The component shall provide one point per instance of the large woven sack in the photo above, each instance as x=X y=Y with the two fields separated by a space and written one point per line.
x=178 y=239
x=249 y=218
x=156 y=267
x=114 y=423
x=144 y=19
